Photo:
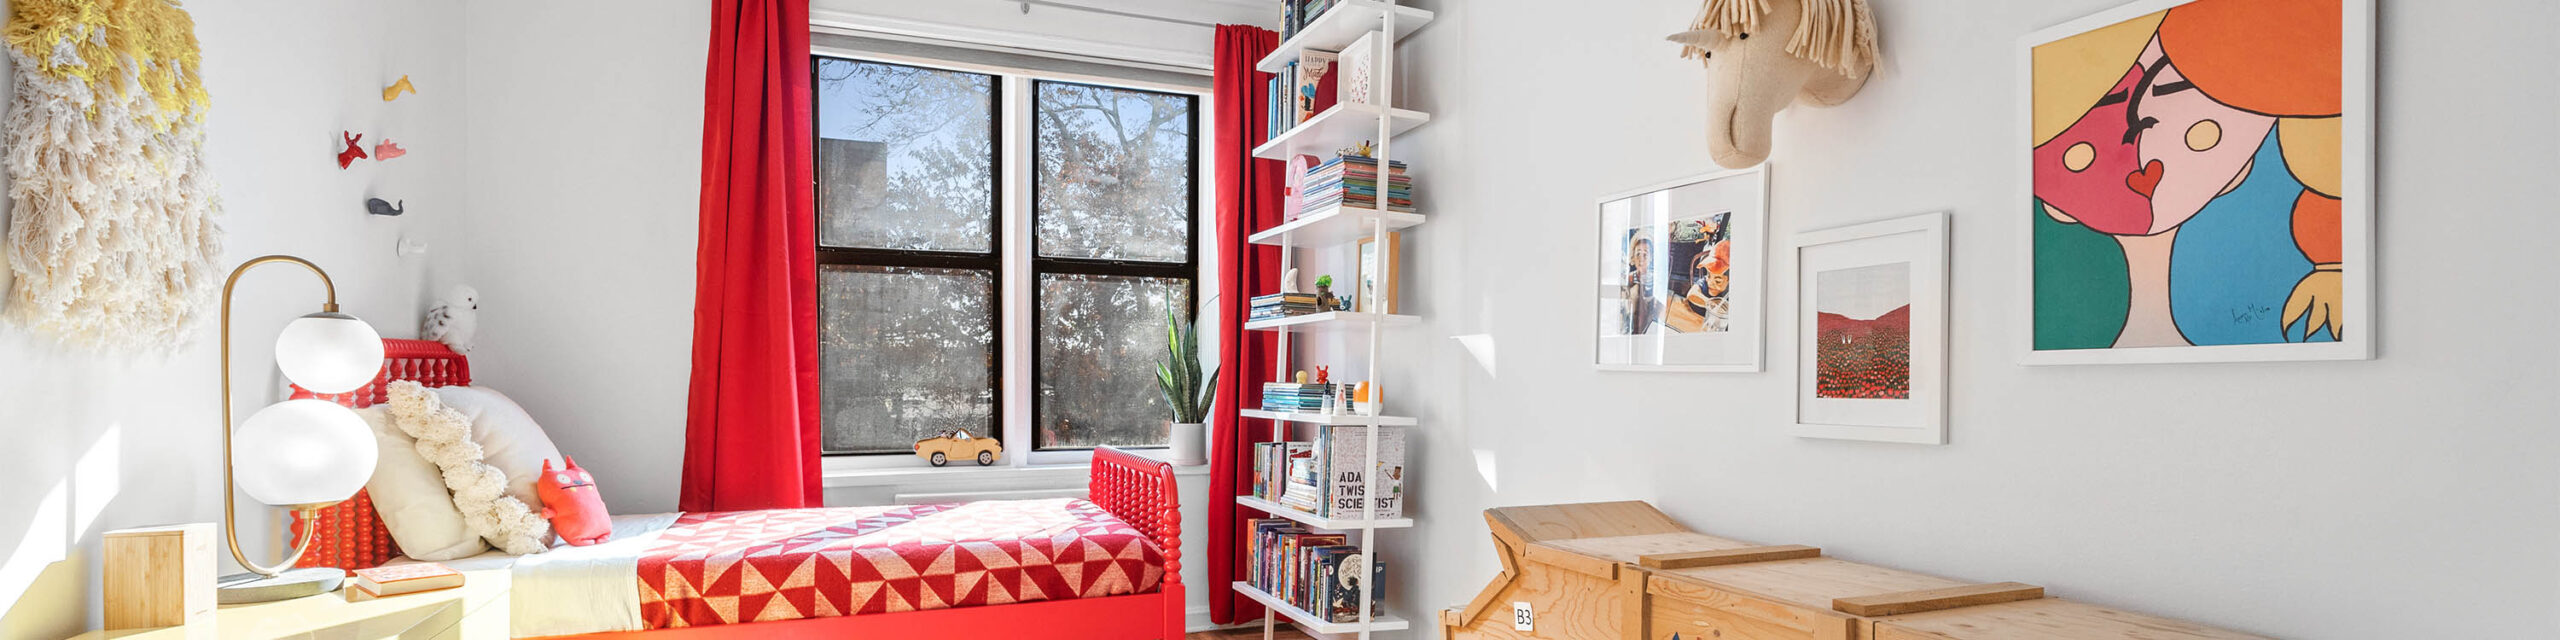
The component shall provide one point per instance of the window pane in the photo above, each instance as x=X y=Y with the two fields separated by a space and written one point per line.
x=1114 y=173
x=904 y=353
x=1100 y=340
x=906 y=157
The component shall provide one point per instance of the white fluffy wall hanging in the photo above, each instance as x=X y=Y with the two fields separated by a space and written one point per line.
x=112 y=243
x=479 y=490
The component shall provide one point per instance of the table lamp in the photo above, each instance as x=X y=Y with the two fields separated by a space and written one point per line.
x=303 y=455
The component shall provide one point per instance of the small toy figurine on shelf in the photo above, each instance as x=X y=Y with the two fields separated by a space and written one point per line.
x=1302 y=376
x=393 y=92
x=1324 y=375
x=1360 y=402
x=354 y=152
x=1325 y=297
x=1289 y=280
x=1363 y=150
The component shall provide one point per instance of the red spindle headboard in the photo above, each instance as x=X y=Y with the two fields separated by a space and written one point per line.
x=349 y=535
x=1141 y=492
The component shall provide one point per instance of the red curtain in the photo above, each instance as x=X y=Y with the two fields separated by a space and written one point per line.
x=751 y=425
x=1248 y=201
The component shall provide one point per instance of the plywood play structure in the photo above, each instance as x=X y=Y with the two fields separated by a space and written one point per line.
x=1624 y=570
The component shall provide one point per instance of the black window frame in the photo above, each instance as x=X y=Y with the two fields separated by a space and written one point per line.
x=991 y=261
x=1188 y=270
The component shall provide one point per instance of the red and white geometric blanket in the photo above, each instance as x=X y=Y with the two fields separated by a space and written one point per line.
x=787 y=564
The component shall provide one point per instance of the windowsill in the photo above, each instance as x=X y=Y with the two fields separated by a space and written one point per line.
x=892 y=476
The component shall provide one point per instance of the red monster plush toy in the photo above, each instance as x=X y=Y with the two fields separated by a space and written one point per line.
x=570 y=502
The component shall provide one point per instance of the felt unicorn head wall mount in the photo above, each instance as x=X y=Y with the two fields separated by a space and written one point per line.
x=1761 y=55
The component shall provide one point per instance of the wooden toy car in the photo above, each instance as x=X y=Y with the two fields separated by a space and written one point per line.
x=957 y=443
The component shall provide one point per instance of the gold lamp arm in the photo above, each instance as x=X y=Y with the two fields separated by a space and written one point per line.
x=230 y=530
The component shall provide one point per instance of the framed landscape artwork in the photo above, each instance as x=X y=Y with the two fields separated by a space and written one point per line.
x=1871 y=331
x=1680 y=273
x=2198 y=180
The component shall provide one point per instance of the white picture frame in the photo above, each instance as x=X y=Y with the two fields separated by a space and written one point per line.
x=1714 y=334
x=1834 y=267
x=2355 y=182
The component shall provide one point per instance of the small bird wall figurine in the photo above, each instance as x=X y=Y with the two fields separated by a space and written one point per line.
x=388 y=150
x=354 y=152
x=455 y=321
x=377 y=206
x=392 y=92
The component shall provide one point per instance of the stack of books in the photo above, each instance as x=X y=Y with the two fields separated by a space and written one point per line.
x=1297 y=14
x=1290 y=397
x=1282 y=305
x=1271 y=465
x=1326 y=477
x=400 y=579
x=1316 y=572
x=1352 y=181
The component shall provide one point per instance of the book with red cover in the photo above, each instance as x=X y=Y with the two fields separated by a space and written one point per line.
x=392 y=580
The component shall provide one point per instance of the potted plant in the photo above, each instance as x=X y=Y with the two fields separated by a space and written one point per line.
x=1186 y=392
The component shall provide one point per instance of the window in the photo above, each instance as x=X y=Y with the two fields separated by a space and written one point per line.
x=907 y=254
x=973 y=217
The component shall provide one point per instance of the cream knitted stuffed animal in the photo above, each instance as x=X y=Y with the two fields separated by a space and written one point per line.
x=456 y=321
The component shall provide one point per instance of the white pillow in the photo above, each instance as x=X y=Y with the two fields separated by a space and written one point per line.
x=508 y=438
x=410 y=495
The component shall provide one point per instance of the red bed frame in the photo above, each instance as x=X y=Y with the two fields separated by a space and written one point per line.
x=1138 y=490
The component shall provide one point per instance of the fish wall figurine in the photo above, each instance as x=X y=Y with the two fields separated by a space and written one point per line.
x=354 y=151
x=393 y=92
x=388 y=150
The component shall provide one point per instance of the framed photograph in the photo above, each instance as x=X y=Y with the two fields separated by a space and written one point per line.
x=1370 y=297
x=2199 y=182
x=1871 y=331
x=1680 y=274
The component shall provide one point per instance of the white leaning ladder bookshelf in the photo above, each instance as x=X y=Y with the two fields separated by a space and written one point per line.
x=1337 y=127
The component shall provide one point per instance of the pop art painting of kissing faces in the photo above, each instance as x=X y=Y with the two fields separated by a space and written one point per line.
x=2197 y=183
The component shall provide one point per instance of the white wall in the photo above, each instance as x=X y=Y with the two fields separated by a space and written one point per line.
x=586 y=148
x=101 y=443
x=2407 y=497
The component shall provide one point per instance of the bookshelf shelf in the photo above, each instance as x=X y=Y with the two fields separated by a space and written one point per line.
x=1338 y=27
x=1329 y=419
x=1333 y=226
x=1330 y=321
x=1341 y=126
x=1278 y=510
x=1309 y=622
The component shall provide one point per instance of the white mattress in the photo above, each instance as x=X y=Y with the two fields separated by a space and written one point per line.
x=572 y=590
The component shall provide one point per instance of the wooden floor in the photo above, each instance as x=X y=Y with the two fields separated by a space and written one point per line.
x=1253 y=633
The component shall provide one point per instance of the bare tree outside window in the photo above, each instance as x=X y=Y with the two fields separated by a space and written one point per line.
x=903 y=353
x=1115 y=173
x=906 y=157
x=1114 y=214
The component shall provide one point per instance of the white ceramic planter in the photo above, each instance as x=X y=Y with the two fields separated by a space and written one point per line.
x=1190 y=442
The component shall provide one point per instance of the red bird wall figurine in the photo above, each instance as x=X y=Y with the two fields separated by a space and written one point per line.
x=387 y=150
x=354 y=151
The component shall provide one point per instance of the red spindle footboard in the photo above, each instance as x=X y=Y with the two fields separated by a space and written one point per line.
x=349 y=535
x=1140 y=491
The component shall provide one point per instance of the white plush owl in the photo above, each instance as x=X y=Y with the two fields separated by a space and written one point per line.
x=455 y=321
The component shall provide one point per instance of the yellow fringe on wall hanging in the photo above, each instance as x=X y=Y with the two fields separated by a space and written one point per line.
x=111 y=240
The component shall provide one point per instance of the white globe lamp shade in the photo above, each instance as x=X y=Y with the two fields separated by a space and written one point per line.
x=329 y=352
x=302 y=453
